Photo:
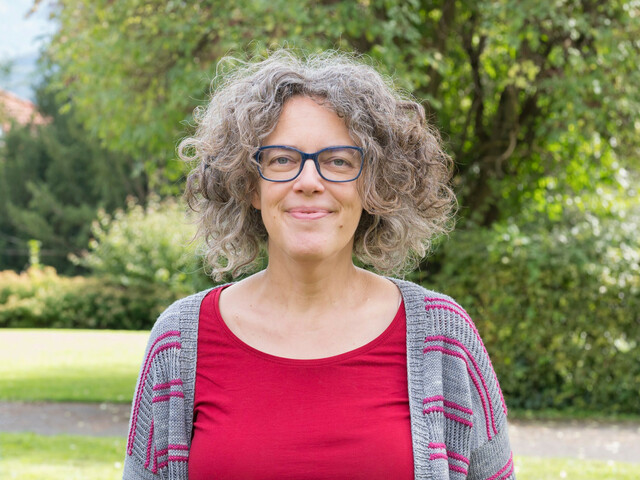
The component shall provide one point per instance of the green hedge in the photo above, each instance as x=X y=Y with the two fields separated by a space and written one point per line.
x=41 y=298
x=558 y=307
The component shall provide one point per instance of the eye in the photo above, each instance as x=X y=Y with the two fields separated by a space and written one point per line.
x=342 y=162
x=280 y=160
x=336 y=161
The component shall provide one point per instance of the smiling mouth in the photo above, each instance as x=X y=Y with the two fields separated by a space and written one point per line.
x=308 y=213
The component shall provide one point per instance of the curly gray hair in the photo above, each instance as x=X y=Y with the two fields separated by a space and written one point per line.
x=404 y=185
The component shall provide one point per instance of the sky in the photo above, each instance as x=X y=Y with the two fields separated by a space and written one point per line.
x=21 y=39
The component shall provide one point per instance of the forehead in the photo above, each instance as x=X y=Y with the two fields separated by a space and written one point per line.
x=306 y=123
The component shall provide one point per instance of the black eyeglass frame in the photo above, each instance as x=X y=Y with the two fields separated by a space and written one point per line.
x=308 y=156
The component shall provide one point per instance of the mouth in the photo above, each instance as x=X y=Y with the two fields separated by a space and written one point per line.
x=307 y=213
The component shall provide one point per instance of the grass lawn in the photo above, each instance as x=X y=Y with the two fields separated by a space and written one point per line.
x=27 y=456
x=70 y=365
x=530 y=468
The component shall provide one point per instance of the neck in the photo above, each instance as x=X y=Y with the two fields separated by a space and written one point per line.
x=310 y=289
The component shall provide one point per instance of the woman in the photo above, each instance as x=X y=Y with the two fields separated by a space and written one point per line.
x=314 y=367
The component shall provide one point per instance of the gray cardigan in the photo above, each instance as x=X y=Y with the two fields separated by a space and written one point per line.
x=458 y=415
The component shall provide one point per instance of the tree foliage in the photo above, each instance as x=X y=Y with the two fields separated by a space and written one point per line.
x=53 y=179
x=536 y=100
x=142 y=259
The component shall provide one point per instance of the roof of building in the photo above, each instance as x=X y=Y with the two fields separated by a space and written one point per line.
x=18 y=110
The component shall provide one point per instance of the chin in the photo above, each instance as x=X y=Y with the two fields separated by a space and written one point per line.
x=315 y=250
x=309 y=252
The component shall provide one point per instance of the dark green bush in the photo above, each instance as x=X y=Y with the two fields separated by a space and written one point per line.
x=558 y=307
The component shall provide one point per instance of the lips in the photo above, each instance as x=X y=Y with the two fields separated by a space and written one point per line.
x=308 y=213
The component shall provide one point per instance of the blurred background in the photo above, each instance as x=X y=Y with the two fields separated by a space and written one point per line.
x=538 y=103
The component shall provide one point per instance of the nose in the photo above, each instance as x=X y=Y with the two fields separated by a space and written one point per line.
x=309 y=179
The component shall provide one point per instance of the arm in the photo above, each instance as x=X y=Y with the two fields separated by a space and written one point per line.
x=490 y=451
x=472 y=390
x=158 y=405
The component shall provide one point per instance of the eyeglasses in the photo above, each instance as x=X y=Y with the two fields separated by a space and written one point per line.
x=277 y=163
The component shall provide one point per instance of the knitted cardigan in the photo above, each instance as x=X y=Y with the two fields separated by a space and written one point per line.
x=458 y=414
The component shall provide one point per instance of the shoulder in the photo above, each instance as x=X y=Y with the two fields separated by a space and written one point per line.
x=437 y=312
x=181 y=314
x=447 y=330
x=414 y=293
x=176 y=330
x=173 y=329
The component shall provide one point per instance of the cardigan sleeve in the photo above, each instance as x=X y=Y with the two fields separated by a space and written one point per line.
x=157 y=439
x=469 y=398
x=491 y=457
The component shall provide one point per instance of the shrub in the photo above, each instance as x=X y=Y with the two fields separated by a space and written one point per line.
x=557 y=305
x=145 y=248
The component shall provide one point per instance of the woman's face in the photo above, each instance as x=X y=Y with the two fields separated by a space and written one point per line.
x=309 y=218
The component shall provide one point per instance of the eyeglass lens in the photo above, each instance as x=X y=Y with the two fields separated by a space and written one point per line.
x=338 y=164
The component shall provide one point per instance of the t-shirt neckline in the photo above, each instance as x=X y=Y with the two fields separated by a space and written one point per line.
x=303 y=361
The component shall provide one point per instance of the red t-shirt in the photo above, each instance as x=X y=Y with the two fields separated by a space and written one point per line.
x=259 y=416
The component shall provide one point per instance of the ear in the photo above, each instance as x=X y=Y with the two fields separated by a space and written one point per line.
x=255 y=199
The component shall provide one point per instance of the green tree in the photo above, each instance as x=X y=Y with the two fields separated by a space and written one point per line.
x=53 y=179
x=537 y=101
